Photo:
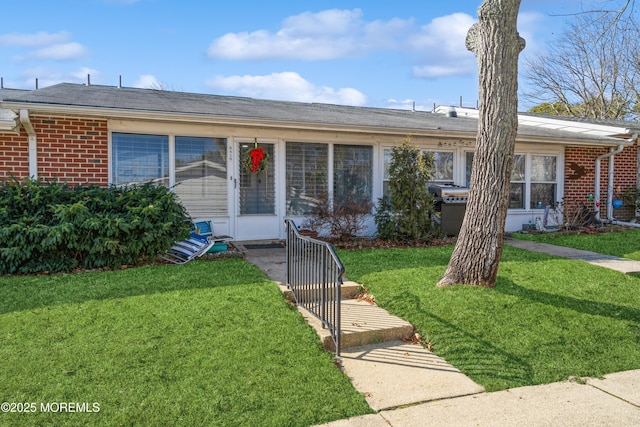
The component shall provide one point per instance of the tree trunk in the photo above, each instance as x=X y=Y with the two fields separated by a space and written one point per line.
x=496 y=44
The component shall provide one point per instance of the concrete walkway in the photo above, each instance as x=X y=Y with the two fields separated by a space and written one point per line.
x=377 y=354
x=608 y=261
x=410 y=386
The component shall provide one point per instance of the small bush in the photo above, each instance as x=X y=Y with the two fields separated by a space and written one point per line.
x=342 y=220
x=54 y=227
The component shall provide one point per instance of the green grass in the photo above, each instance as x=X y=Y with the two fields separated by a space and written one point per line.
x=548 y=318
x=207 y=343
x=623 y=244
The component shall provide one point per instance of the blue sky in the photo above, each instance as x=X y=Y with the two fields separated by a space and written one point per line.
x=368 y=53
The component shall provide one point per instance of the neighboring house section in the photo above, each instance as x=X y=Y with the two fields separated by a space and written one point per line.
x=199 y=145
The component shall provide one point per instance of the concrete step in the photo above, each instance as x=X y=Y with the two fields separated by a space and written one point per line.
x=347 y=290
x=362 y=324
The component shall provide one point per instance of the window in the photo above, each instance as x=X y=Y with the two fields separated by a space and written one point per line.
x=543 y=181
x=442 y=171
x=139 y=158
x=518 y=182
x=352 y=173
x=442 y=167
x=307 y=177
x=201 y=175
x=200 y=168
x=386 y=159
x=468 y=162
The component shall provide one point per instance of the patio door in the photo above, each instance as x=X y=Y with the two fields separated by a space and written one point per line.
x=256 y=201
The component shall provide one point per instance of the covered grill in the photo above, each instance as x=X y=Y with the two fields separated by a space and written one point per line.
x=450 y=204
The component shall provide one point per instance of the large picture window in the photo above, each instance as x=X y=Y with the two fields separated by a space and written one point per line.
x=352 y=173
x=138 y=158
x=307 y=176
x=201 y=175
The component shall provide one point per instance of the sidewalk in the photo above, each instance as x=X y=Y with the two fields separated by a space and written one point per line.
x=410 y=386
x=611 y=401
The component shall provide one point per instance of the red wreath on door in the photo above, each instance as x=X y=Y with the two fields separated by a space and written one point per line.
x=255 y=160
x=257 y=154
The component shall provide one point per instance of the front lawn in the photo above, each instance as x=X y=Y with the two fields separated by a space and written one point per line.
x=548 y=318
x=622 y=244
x=206 y=343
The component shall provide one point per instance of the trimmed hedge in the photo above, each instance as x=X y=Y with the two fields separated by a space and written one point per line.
x=54 y=227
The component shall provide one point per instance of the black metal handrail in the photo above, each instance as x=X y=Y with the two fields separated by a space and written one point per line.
x=314 y=275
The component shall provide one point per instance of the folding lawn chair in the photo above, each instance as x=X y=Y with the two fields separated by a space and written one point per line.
x=186 y=250
x=205 y=228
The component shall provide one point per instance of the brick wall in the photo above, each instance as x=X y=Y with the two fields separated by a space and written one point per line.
x=580 y=177
x=70 y=149
x=14 y=155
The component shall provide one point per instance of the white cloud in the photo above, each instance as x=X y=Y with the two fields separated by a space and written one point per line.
x=83 y=72
x=41 y=38
x=446 y=34
x=46 y=77
x=441 y=45
x=49 y=76
x=435 y=71
x=286 y=86
x=400 y=104
x=529 y=25
x=59 y=52
x=332 y=21
x=438 y=47
x=44 y=45
x=323 y=35
x=148 y=81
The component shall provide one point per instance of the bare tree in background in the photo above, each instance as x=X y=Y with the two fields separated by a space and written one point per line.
x=593 y=68
x=496 y=44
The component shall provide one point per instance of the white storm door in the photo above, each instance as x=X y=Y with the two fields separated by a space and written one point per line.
x=256 y=201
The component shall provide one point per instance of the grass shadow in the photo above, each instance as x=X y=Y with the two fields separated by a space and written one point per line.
x=481 y=360
x=595 y=308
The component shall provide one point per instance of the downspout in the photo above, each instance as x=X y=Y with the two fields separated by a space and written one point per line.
x=596 y=190
x=33 y=146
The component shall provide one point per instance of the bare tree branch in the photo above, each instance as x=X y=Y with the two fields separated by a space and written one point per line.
x=593 y=68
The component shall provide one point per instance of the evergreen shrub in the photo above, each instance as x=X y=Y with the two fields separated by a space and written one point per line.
x=54 y=227
x=405 y=214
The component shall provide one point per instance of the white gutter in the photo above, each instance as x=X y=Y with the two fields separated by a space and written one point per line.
x=596 y=190
x=33 y=145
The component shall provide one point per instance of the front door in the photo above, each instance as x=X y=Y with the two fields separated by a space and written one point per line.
x=256 y=202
